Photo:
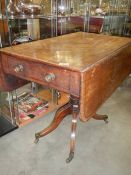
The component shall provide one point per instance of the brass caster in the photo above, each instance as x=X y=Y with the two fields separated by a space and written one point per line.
x=106 y=120
x=36 y=138
x=71 y=156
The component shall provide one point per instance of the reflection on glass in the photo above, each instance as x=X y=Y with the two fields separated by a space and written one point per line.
x=12 y=9
x=23 y=7
x=27 y=7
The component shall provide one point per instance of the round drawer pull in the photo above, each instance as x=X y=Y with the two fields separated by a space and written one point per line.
x=19 y=68
x=49 y=77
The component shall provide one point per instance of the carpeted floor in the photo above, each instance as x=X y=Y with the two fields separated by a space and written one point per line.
x=101 y=149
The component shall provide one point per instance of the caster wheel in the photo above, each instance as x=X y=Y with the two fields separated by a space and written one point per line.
x=71 y=156
x=106 y=120
x=36 y=141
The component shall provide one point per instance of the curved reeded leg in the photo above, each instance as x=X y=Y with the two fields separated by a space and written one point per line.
x=101 y=117
x=75 y=112
x=61 y=113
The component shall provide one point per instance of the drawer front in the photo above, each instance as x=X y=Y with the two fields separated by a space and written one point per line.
x=44 y=74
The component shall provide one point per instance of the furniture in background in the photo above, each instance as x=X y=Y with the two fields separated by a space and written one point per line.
x=43 y=19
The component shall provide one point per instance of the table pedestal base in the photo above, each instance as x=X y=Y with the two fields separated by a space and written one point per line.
x=72 y=107
x=61 y=113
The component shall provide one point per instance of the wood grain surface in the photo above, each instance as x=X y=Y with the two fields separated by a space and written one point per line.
x=76 y=51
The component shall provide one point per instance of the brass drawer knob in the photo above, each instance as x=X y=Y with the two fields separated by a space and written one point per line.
x=49 y=77
x=19 y=68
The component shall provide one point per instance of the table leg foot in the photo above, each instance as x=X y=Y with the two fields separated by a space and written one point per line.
x=101 y=117
x=106 y=120
x=36 y=138
x=61 y=113
x=71 y=156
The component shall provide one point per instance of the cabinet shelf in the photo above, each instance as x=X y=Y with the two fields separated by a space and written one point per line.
x=46 y=95
x=26 y=17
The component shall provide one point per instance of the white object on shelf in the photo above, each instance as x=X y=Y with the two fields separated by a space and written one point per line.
x=33 y=27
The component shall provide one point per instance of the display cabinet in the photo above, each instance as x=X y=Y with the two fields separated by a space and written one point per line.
x=16 y=27
x=110 y=17
x=21 y=21
x=26 y=20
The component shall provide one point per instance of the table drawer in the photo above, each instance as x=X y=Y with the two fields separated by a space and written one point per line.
x=50 y=76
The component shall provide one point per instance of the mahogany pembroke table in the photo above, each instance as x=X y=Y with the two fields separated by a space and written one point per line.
x=87 y=66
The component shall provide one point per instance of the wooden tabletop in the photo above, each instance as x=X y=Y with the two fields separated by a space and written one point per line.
x=76 y=51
